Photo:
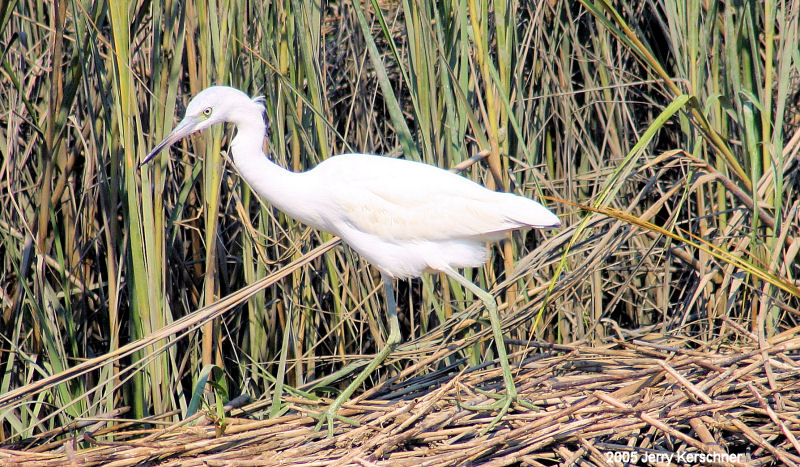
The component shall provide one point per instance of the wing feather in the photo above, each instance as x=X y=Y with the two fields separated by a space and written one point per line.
x=399 y=200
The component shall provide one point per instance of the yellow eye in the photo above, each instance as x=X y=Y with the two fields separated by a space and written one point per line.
x=207 y=111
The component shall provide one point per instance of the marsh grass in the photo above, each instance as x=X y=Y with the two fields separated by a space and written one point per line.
x=665 y=134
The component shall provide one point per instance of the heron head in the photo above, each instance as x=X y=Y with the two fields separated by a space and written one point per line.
x=212 y=105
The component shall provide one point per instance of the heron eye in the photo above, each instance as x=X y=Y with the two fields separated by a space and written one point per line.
x=207 y=111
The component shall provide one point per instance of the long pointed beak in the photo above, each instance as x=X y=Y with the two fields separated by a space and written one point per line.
x=185 y=128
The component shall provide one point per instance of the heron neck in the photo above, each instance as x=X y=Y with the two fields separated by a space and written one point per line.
x=282 y=188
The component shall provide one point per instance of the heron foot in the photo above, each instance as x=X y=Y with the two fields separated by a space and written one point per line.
x=328 y=416
x=502 y=405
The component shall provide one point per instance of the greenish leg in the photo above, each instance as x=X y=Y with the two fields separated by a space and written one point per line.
x=331 y=413
x=504 y=402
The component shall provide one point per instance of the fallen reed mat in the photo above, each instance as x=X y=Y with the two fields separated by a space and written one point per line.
x=647 y=400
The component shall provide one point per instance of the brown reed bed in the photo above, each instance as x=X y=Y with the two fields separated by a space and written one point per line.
x=640 y=399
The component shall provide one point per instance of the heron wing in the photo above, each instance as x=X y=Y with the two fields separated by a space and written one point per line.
x=399 y=200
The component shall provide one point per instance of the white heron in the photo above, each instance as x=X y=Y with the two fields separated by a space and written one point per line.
x=404 y=217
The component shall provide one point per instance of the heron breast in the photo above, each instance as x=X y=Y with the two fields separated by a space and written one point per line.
x=407 y=259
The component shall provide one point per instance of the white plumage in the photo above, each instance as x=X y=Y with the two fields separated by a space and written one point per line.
x=403 y=217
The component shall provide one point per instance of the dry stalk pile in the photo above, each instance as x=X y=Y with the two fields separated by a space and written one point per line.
x=648 y=398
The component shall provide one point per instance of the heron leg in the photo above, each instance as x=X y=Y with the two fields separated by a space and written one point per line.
x=332 y=412
x=504 y=402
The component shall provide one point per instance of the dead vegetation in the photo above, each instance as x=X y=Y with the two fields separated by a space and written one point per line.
x=649 y=396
